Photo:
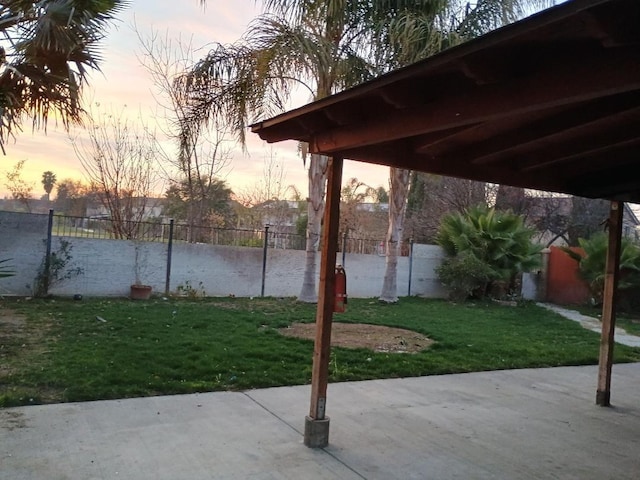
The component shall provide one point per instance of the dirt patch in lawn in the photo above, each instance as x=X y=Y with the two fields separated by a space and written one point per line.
x=362 y=335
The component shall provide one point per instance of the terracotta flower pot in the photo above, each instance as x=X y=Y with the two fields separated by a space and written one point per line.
x=140 y=292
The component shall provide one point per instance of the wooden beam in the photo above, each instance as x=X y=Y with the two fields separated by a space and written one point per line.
x=404 y=158
x=604 y=180
x=478 y=134
x=559 y=85
x=318 y=437
x=612 y=273
x=573 y=154
x=496 y=136
x=485 y=69
x=582 y=136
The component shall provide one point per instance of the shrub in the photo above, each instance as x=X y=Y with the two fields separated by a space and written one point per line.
x=56 y=270
x=465 y=275
x=496 y=245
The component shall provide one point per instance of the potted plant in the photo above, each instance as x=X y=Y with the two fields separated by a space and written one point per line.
x=139 y=291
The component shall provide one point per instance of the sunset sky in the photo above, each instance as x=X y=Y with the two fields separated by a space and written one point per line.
x=124 y=82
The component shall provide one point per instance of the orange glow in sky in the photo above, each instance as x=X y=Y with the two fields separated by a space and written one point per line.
x=124 y=81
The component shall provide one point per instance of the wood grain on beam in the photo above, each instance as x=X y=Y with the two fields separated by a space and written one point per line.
x=612 y=274
x=603 y=75
x=326 y=292
x=456 y=144
x=587 y=123
x=582 y=162
x=569 y=144
x=423 y=163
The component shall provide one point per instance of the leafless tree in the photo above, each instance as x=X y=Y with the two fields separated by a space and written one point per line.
x=513 y=199
x=267 y=201
x=118 y=158
x=588 y=216
x=202 y=150
x=432 y=196
x=270 y=186
x=20 y=189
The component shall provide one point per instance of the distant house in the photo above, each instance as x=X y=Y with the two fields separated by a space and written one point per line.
x=372 y=207
x=35 y=205
x=146 y=209
x=630 y=223
x=280 y=215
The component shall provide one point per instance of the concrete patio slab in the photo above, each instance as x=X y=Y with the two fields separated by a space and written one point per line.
x=515 y=424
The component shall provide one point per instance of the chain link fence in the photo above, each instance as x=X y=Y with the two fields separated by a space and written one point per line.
x=160 y=231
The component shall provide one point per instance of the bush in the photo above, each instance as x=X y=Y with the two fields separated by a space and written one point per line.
x=56 y=270
x=465 y=275
x=492 y=245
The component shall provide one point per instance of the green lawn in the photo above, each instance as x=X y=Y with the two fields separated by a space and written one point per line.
x=62 y=352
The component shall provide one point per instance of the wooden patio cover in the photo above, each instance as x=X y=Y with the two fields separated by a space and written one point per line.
x=550 y=103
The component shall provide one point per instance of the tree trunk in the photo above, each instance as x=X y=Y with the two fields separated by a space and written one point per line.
x=511 y=198
x=398 y=191
x=315 y=210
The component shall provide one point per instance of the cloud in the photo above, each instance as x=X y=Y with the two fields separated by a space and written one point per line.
x=123 y=81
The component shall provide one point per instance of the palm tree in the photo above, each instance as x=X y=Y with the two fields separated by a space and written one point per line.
x=48 y=181
x=592 y=264
x=325 y=46
x=414 y=36
x=49 y=46
x=352 y=194
x=491 y=246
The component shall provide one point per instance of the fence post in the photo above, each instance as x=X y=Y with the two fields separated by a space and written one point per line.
x=167 y=283
x=264 y=258
x=410 y=264
x=47 y=259
x=344 y=247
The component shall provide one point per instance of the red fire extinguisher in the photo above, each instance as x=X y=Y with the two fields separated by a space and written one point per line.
x=341 y=290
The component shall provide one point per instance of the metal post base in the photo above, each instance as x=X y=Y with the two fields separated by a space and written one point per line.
x=316 y=432
x=603 y=398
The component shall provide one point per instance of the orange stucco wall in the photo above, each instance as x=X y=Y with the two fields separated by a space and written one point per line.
x=564 y=286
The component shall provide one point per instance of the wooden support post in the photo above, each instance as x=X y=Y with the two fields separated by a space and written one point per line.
x=316 y=433
x=612 y=273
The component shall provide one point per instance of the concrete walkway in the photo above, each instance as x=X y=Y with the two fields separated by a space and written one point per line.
x=514 y=424
x=593 y=324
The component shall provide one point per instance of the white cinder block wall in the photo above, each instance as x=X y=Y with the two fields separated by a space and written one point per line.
x=109 y=266
x=23 y=243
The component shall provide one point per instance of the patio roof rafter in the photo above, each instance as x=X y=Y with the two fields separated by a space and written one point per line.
x=549 y=103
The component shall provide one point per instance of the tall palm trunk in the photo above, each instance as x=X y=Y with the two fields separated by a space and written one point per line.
x=315 y=211
x=398 y=192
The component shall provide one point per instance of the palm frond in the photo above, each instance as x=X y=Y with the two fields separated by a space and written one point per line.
x=51 y=46
x=485 y=15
